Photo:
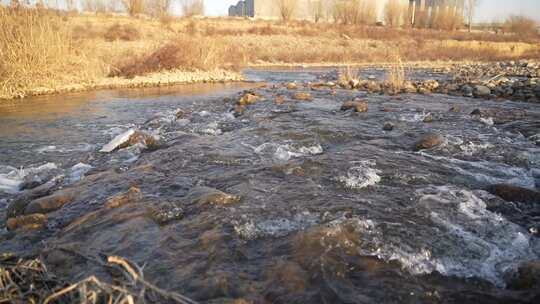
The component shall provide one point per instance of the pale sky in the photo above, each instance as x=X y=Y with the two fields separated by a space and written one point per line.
x=488 y=10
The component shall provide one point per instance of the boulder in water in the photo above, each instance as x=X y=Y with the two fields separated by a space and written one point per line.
x=302 y=96
x=291 y=86
x=248 y=99
x=130 y=138
x=166 y=213
x=356 y=105
x=210 y=196
x=513 y=193
x=51 y=203
x=429 y=141
x=388 y=126
x=133 y=195
x=27 y=222
x=117 y=141
x=481 y=91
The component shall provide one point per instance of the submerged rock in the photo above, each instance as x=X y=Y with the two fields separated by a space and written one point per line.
x=429 y=141
x=388 y=126
x=134 y=194
x=302 y=96
x=27 y=222
x=166 y=213
x=51 y=203
x=357 y=105
x=248 y=99
x=291 y=86
x=206 y=195
x=513 y=193
x=481 y=91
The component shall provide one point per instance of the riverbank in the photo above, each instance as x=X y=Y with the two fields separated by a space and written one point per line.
x=81 y=52
x=160 y=79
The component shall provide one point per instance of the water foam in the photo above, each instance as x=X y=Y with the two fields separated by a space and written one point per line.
x=274 y=227
x=11 y=179
x=360 y=176
x=286 y=151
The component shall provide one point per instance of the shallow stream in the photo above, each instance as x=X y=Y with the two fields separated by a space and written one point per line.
x=332 y=209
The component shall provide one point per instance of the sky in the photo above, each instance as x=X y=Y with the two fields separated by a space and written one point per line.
x=488 y=10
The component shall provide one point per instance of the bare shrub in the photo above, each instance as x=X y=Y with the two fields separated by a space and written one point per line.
x=158 y=8
x=521 y=25
x=446 y=19
x=192 y=8
x=286 y=9
x=317 y=9
x=354 y=11
x=124 y=32
x=95 y=6
x=185 y=53
x=134 y=7
x=394 y=13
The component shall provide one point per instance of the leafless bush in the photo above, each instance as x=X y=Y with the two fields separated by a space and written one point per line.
x=287 y=9
x=447 y=19
x=394 y=13
x=158 y=8
x=521 y=25
x=354 y=11
x=317 y=9
x=395 y=75
x=134 y=7
x=192 y=8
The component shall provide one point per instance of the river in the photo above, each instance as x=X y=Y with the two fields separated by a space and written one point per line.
x=331 y=207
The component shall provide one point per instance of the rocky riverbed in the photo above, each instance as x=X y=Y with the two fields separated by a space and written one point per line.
x=293 y=191
x=515 y=80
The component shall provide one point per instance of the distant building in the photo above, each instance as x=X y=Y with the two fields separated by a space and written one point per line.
x=418 y=10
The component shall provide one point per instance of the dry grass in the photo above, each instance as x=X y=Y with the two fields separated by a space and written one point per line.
x=395 y=76
x=122 y=32
x=28 y=281
x=36 y=50
x=185 y=52
x=50 y=48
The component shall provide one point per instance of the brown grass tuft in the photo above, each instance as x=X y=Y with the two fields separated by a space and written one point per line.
x=124 y=32
x=184 y=53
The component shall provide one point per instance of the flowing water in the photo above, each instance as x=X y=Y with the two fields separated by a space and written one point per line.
x=332 y=209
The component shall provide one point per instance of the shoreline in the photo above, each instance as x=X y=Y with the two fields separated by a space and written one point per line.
x=178 y=77
x=161 y=79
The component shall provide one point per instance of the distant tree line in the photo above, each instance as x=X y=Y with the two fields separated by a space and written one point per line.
x=154 y=8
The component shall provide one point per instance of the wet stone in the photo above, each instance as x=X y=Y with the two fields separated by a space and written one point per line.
x=51 y=203
x=388 y=126
x=302 y=96
x=481 y=91
x=455 y=109
x=166 y=213
x=356 y=105
x=291 y=86
x=210 y=196
x=131 y=196
x=512 y=193
x=248 y=99
x=27 y=222
x=428 y=118
x=429 y=141
x=279 y=100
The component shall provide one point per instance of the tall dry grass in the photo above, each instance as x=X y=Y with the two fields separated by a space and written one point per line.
x=36 y=50
x=395 y=75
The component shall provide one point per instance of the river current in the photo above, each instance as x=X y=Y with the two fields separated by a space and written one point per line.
x=331 y=207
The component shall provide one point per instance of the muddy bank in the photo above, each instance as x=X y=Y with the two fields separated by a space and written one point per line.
x=295 y=193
